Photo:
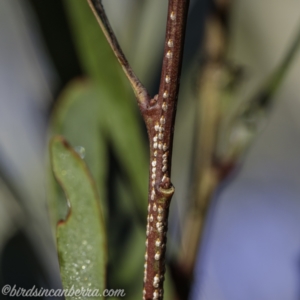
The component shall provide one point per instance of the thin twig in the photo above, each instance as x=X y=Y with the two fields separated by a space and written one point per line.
x=262 y=99
x=139 y=90
x=251 y=115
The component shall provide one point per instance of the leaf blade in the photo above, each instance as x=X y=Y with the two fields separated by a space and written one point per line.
x=81 y=238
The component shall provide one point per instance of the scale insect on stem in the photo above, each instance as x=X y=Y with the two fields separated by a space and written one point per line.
x=159 y=116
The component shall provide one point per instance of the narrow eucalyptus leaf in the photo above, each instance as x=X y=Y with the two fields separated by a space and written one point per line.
x=81 y=239
x=80 y=118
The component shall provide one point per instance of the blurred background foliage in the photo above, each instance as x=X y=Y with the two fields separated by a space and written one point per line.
x=58 y=72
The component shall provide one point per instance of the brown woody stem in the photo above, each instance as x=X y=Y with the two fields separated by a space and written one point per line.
x=159 y=116
x=208 y=172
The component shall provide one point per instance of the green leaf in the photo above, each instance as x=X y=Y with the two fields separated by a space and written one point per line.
x=101 y=115
x=81 y=240
x=78 y=116
x=83 y=115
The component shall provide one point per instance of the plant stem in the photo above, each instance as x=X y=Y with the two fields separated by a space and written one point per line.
x=212 y=169
x=251 y=114
x=263 y=98
x=159 y=116
x=160 y=119
x=138 y=88
x=207 y=174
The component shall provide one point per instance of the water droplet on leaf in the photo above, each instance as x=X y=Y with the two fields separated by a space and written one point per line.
x=80 y=150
